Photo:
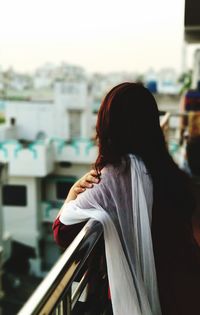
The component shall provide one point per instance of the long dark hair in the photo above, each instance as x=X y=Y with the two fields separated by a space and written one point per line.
x=128 y=122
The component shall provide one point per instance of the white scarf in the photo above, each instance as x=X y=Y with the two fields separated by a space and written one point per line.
x=122 y=202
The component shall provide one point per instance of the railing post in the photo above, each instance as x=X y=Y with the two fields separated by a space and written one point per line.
x=67 y=303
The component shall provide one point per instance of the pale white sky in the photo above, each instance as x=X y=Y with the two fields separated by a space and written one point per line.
x=104 y=35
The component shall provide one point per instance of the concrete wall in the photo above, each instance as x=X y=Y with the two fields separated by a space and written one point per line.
x=23 y=221
x=32 y=118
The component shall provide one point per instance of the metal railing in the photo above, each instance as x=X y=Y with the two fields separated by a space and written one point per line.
x=82 y=260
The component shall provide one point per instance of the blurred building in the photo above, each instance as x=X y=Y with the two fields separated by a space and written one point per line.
x=163 y=82
x=67 y=116
x=47 y=146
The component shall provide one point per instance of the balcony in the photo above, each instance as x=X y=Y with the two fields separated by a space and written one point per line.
x=35 y=159
x=79 y=151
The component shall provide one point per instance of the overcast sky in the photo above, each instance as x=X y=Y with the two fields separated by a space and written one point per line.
x=104 y=35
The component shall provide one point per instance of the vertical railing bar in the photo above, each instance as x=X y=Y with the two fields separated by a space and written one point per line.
x=64 y=305
x=67 y=303
x=58 y=311
x=61 y=308
x=79 y=289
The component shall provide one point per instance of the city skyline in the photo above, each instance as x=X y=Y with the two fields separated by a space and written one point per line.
x=100 y=37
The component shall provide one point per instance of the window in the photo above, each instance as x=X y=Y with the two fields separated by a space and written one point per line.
x=75 y=123
x=14 y=195
x=62 y=189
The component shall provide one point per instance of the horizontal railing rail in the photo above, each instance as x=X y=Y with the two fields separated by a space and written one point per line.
x=183 y=114
x=54 y=294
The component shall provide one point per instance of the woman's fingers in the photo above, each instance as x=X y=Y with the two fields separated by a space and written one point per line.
x=94 y=173
x=87 y=181
x=94 y=176
x=92 y=179
x=78 y=189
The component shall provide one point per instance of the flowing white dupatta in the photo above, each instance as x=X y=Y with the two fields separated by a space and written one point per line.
x=122 y=202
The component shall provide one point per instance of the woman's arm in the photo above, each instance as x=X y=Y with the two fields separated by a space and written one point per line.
x=85 y=182
x=65 y=234
x=82 y=184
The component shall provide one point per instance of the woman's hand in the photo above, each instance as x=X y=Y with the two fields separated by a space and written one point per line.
x=87 y=181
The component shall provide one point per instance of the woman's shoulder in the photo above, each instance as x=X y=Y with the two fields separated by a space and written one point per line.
x=108 y=173
x=112 y=174
x=123 y=169
x=108 y=169
x=114 y=170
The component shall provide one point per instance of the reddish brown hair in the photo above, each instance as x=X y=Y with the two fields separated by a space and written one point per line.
x=128 y=122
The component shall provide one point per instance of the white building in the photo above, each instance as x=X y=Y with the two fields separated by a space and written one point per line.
x=47 y=147
x=43 y=77
x=168 y=82
x=67 y=117
x=46 y=75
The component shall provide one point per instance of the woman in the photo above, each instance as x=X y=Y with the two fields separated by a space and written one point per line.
x=142 y=193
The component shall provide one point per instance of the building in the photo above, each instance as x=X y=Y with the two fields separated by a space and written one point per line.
x=47 y=146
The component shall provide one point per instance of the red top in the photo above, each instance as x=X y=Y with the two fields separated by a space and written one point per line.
x=65 y=234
